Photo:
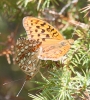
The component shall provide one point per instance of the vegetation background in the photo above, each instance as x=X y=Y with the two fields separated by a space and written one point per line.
x=70 y=81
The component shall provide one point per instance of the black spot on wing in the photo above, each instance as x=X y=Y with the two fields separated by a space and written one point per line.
x=38 y=34
x=43 y=39
x=36 y=30
x=47 y=35
x=55 y=34
x=52 y=29
x=38 y=40
x=49 y=29
x=31 y=23
x=42 y=31
x=32 y=36
x=43 y=24
x=38 y=27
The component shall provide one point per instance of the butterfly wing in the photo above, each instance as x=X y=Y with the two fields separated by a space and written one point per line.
x=54 y=52
x=40 y=30
x=26 y=55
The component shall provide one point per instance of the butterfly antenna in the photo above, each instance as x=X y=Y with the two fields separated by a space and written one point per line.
x=15 y=81
x=21 y=89
x=12 y=81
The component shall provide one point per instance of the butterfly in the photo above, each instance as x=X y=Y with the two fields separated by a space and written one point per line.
x=54 y=46
x=43 y=42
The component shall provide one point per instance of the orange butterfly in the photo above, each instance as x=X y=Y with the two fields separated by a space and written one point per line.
x=53 y=46
x=43 y=42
